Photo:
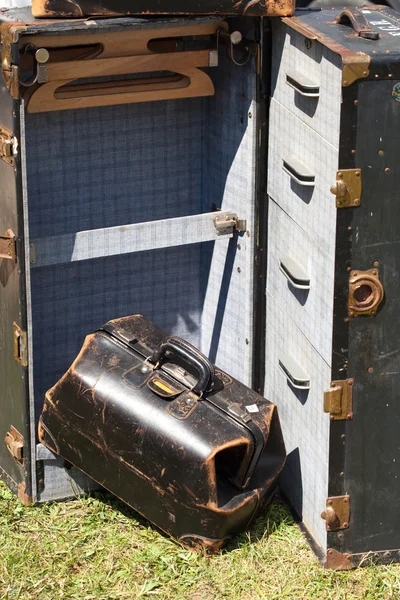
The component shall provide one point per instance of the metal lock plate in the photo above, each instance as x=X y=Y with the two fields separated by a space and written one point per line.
x=20 y=346
x=338 y=400
x=348 y=188
x=226 y=223
x=365 y=293
x=14 y=441
x=337 y=513
x=7 y=246
x=6 y=145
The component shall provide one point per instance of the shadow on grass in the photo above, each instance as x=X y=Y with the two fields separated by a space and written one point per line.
x=274 y=516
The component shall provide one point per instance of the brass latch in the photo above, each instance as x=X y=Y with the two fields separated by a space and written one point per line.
x=15 y=444
x=6 y=145
x=20 y=346
x=227 y=222
x=337 y=513
x=365 y=293
x=338 y=400
x=7 y=246
x=348 y=188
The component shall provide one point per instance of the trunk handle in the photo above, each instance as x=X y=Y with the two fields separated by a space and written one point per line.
x=358 y=22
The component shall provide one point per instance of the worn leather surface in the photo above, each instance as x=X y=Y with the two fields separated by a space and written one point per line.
x=179 y=459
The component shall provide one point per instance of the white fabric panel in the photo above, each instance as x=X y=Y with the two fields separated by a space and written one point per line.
x=311 y=310
x=313 y=208
x=135 y=237
x=230 y=167
x=317 y=63
x=304 y=424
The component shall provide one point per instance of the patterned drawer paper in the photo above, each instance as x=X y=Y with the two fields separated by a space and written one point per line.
x=301 y=278
x=307 y=80
x=305 y=426
x=302 y=168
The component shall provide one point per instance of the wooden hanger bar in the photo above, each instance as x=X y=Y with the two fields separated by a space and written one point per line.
x=123 y=43
x=48 y=97
x=116 y=56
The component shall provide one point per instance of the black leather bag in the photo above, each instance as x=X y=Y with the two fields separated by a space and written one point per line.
x=149 y=418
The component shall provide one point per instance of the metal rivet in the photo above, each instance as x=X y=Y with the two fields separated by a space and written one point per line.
x=343 y=436
x=342 y=474
x=370 y=369
x=349 y=228
x=250 y=115
x=238 y=247
x=345 y=499
x=345 y=525
x=238 y=269
x=387 y=170
x=376 y=263
x=353 y=151
x=345 y=82
x=340 y=174
x=357 y=201
x=365 y=73
x=358 y=173
x=356 y=102
x=390 y=76
x=376 y=76
x=381 y=153
x=145 y=369
x=247 y=341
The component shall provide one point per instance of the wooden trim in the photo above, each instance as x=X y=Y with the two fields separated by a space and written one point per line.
x=120 y=54
x=124 y=43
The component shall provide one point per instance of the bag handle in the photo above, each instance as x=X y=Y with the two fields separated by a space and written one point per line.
x=192 y=357
x=359 y=23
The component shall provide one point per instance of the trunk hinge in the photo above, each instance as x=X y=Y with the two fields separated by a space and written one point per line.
x=227 y=222
x=337 y=513
x=6 y=145
x=338 y=400
x=20 y=346
x=8 y=247
x=14 y=441
x=348 y=188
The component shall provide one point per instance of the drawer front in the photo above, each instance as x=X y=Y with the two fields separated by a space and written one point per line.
x=304 y=424
x=307 y=80
x=302 y=168
x=300 y=276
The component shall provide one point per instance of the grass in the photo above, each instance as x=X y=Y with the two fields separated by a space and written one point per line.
x=97 y=548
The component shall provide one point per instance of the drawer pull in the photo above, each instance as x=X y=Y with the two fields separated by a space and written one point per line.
x=294 y=373
x=302 y=84
x=294 y=273
x=298 y=171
